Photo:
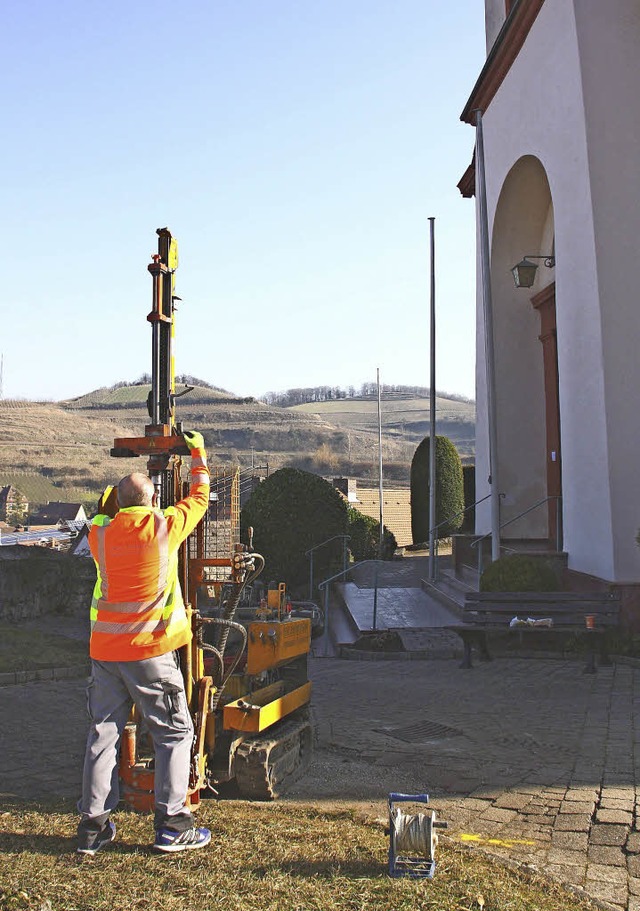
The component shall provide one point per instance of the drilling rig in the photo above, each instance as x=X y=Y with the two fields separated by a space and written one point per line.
x=246 y=679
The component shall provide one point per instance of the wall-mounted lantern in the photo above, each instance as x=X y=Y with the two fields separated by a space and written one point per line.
x=524 y=272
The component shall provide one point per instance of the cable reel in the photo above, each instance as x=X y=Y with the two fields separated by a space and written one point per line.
x=412 y=838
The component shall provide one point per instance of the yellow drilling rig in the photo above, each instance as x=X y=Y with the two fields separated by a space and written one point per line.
x=246 y=678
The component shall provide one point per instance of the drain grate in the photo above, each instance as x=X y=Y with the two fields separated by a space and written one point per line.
x=420 y=732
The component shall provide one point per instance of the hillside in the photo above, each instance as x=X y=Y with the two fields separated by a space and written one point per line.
x=67 y=443
x=69 y=451
x=135 y=396
x=403 y=417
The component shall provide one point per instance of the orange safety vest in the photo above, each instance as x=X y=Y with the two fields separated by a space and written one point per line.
x=137 y=609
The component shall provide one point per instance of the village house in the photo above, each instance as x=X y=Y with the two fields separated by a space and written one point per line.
x=57 y=513
x=396 y=506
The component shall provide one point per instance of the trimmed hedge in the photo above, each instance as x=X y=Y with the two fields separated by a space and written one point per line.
x=365 y=537
x=449 y=489
x=291 y=512
x=519 y=573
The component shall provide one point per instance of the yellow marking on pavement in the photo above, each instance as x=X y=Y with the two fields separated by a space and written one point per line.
x=498 y=842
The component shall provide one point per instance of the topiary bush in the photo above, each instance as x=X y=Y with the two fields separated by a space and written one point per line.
x=449 y=489
x=364 y=534
x=519 y=573
x=291 y=512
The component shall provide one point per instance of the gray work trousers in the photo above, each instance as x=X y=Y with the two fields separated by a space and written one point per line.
x=156 y=686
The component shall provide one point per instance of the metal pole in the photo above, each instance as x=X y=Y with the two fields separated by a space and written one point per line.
x=380 y=495
x=374 y=624
x=485 y=260
x=311 y=576
x=432 y=411
x=380 y=468
x=326 y=621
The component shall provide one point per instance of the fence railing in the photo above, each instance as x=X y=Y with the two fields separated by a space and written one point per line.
x=433 y=564
x=325 y=586
x=311 y=552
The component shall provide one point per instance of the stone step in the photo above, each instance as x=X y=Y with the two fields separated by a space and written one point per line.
x=468 y=576
x=448 y=590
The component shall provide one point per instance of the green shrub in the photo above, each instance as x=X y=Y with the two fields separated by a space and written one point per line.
x=449 y=489
x=519 y=573
x=364 y=533
x=291 y=512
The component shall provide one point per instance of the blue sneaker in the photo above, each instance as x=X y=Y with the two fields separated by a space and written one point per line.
x=168 y=840
x=92 y=842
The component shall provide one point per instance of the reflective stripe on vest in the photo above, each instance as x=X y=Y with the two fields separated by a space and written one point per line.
x=143 y=626
x=100 y=533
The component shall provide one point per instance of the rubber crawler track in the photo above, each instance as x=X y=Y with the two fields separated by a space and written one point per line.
x=265 y=765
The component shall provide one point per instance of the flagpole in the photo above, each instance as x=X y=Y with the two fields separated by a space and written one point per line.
x=432 y=409
x=374 y=624
x=380 y=466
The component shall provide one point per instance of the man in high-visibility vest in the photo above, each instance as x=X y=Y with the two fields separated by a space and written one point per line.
x=138 y=621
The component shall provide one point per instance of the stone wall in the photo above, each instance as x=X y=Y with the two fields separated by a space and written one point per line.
x=36 y=581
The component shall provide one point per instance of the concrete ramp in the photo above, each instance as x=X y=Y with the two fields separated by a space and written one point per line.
x=394 y=608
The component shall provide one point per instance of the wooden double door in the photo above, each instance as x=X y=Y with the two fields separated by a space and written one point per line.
x=545 y=303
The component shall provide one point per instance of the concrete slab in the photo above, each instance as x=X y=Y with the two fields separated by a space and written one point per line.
x=394 y=608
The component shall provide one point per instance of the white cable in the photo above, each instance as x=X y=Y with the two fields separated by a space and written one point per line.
x=414 y=834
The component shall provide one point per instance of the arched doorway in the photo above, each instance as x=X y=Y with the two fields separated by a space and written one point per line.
x=526 y=363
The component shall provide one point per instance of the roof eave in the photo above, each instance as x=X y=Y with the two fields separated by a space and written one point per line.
x=505 y=49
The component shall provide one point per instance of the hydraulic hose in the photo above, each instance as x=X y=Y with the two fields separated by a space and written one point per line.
x=231 y=604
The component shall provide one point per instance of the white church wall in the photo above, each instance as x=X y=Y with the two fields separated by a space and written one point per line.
x=538 y=111
x=610 y=53
x=494 y=16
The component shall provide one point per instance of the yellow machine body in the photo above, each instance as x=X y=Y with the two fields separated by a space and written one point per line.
x=253 y=716
x=272 y=643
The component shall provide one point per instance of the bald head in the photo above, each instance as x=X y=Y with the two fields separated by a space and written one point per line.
x=135 y=490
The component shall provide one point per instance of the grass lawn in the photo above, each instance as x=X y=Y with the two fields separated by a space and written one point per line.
x=28 y=649
x=263 y=857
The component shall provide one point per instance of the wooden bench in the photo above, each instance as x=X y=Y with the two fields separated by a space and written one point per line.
x=487 y=612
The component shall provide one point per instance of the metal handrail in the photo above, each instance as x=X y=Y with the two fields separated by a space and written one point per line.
x=445 y=522
x=318 y=546
x=520 y=516
x=460 y=513
x=344 y=572
x=309 y=553
x=326 y=584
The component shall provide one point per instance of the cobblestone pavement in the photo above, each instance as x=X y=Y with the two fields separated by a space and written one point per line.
x=529 y=759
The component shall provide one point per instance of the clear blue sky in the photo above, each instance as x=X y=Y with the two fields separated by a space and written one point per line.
x=295 y=149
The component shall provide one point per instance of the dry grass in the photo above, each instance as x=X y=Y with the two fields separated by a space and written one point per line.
x=28 y=649
x=263 y=857
x=405 y=419
x=70 y=449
